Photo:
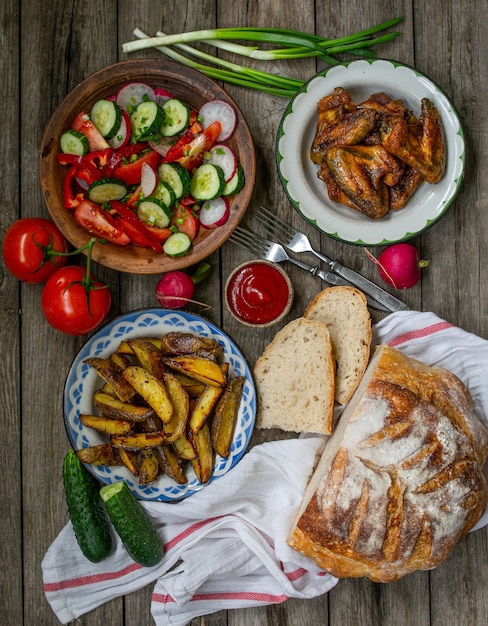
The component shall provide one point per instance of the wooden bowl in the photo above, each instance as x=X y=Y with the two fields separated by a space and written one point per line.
x=192 y=87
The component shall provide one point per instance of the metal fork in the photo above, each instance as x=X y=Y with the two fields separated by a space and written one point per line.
x=298 y=242
x=275 y=252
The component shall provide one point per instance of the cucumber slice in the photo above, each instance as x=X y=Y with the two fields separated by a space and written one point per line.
x=90 y=523
x=132 y=524
x=208 y=182
x=236 y=183
x=74 y=142
x=146 y=121
x=165 y=193
x=107 y=117
x=176 y=117
x=106 y=189
x=177 y=244
x=177 y=177
x=154 y=213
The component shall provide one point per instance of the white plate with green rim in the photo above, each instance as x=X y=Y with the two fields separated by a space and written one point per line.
x=308 y=193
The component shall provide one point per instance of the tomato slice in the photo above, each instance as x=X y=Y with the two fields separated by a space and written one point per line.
x=185 y=221
x=83 y=124
x=194 y=151
x=100 y=223
x=161 y=234
x=130 y=173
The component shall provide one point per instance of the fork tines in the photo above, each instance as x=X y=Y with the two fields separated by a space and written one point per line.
x=250 y=241
x=274 y=224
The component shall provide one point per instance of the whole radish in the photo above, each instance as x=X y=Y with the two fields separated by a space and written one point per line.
x=175 y=289
x=400 y=265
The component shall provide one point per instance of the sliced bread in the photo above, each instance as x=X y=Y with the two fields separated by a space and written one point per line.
x=295 y=379
x=345 y=312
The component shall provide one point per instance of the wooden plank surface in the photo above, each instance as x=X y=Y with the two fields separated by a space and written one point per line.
x=48 y=48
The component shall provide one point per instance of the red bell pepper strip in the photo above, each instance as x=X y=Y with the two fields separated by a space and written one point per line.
x=70 y=199
x=134 y=198
x=178 y=150
x=83 y=124
x=128 y=153
x=134 y=228
x=161 y=234
x=130 y=173
x=86 y=169
x=99 y=158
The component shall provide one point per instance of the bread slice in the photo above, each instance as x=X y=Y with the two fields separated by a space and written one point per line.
x=295 y=379
x=345 y=312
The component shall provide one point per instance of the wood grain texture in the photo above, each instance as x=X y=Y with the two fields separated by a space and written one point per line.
x=48 y=48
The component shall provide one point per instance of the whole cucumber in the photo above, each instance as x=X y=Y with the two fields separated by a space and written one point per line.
x=90 y=523
x=132 y=524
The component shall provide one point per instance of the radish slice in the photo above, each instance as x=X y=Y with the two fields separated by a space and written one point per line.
x=132 y=94
x=219 y=110
x=122 y=136
x=149 y=179
x=214 y=212
x=162 y=145
x=162 y=95
x=224 y=157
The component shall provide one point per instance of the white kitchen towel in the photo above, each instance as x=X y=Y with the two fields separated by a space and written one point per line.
x=225 y=546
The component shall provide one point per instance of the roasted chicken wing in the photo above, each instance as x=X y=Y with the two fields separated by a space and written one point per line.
x=422 y=144
x=340 y=122
x=403 y=190
x=364 y=174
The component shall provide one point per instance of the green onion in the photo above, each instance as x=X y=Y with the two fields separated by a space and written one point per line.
x=295 y=45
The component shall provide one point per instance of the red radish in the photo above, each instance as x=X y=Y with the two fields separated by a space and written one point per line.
x=176 y=288
x=132 y=94
x=162 y=145
x=221 y=111
x=214 y=212
x=224 y=157
x=162 y=95
x=122 y=136
x=149 y=179
x=400 y=265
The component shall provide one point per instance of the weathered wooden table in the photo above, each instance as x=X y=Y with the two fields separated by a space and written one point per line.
x=47 y=48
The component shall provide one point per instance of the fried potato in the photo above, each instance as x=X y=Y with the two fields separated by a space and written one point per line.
x=106 y=424
x=112 y=374
x=137 y=441
x=102 y=454
x=204 y=407
x=207 y=372
x=170 y=464
x=225 y=416
x=151 y=389
x=175 y=428
x=179 y=344
x=204 y=463
x=114 y=408
x=149 y=356
x=130 y=459
x=148 y=467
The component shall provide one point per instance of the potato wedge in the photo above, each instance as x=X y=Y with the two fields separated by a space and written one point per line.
x=114 y=408
x=112 y=374
x=170 y=464
x=192 y=387
x=151 y=389
x=225 y=416
x=204 y=463
x=148 y=467
x=149 y=356
x=178 y=344
x=137 y=441
x=102 y=454
x=184 y=447
x=106 y=424
x=175 y=428
x=204 y=370
x=121 y=360
x=204 y=407
x=125 y=348
x=130 y=459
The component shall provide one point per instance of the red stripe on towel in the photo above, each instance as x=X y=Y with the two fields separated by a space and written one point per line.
x=420 y=333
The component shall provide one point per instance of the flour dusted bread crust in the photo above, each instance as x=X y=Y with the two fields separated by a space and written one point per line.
x=400 y=481
x=295 y=379
x=345 y=311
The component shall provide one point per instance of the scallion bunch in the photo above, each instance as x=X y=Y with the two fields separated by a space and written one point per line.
x=289 y=44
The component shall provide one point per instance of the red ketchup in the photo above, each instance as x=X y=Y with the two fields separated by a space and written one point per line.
x=258 y=293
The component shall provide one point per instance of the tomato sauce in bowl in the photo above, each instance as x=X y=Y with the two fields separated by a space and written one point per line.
x=259 y=293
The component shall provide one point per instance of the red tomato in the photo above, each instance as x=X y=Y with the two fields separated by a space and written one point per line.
x=72 y=307
x=100 y=223
x=29 y=248
x=130 y=173
x=185 y=221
